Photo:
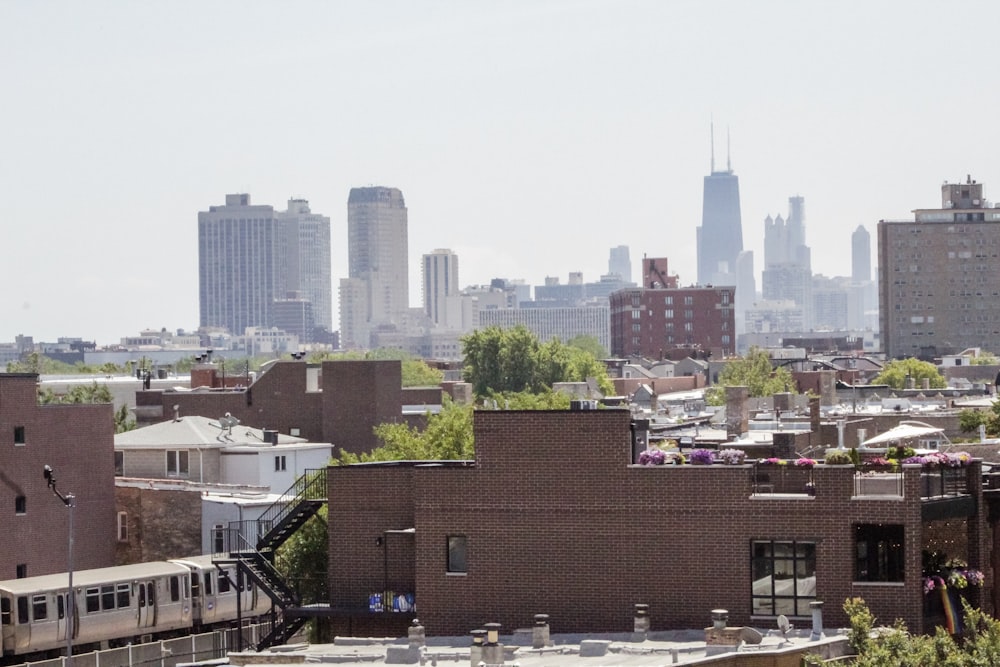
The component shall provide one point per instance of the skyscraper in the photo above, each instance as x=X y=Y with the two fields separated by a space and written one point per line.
x=787 y=274
x=861 y=255
x=240 y=268
x=377 y=257
x=620 y=264
x=249 y=256
x=720 y=236
x=440 y=276
x=307 y=248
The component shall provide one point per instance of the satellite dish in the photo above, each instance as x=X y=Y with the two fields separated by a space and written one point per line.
x=784 y=625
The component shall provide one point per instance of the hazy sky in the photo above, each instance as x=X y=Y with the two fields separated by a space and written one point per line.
x=528 y=136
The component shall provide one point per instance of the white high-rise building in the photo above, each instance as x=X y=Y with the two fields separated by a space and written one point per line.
x=440 y=278
x=377 y=257
x=307 y=238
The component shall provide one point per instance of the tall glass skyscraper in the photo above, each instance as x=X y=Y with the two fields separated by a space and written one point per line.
x=720 y=236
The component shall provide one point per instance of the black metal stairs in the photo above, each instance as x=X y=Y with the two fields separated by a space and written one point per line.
x=275 y=526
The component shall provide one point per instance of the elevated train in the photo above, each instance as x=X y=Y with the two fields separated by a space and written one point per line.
x=114 y=606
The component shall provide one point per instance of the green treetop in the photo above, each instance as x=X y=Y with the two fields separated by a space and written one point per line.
x=897 y=371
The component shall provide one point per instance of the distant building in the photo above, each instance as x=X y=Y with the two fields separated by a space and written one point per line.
x=440 y=276
x=720 y=236
x=250 y=255
x=378 y=260
x=939 y=290
x=620 y=264
x=563 y=323
x=787 y=271
x=652 y=322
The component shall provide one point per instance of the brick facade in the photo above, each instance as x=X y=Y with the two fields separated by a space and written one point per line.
x=162 y=524
x=348 y=401
x=77 y=441
x=559 y=521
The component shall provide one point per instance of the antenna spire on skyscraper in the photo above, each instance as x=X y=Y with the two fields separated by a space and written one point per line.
x=729 y=165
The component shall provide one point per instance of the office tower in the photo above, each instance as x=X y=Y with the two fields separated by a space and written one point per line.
x=937 y=279
x=377 y=257
x=787 y=274
x=239 y=267
x=307 y=248
x=861 y=255
x=619 y=263
x=440 y=276
x=249 y=256
x=720 y=236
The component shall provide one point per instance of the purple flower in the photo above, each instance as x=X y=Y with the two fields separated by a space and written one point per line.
x=702 y=456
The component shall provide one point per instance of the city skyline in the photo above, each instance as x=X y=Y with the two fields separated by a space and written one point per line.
x=529 y=137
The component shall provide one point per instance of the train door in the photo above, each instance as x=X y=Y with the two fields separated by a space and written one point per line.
x=63 y=622
x=147 y=603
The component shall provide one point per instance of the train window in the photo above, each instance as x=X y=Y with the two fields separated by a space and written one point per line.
x=187 y=588
x=175 y=589
x=22 y=610
x=60 y=606
x=223 y=582
x=123 y=595
x=93 y=600
x=5 y=611
x=151 y=593
x=107 y=598
x=208 y=583
x=196 y=584
x=39 y=607
x=142 y=595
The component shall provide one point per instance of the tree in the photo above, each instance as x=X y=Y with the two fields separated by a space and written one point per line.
x=969 y=420
x=896 y=372
x=753 y=371
x=416 y=372
x=588 y=344
x=499 y=361
x=448 y=436
x=302 y=562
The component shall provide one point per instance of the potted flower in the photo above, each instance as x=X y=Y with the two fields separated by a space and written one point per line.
x=732 y=456
x=653 y=457
x=701 y=457
x=804 y=462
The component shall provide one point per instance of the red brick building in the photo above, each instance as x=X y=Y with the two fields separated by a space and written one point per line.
x=554 y=517
x=77 y=441
x=652 y=322
x=337 y=402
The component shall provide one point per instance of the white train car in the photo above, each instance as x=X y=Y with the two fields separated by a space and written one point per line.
x=114 y=603
x=214 y=593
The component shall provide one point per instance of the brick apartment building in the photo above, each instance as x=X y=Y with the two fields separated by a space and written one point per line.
x=337 y=402
x=77 y=442
x=554 y=517
x=652 y=322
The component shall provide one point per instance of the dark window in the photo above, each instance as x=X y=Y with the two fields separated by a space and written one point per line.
x=39 y=608
x=279 y=463
x=107 y=598
x=783 y=577
x=19 y=435
x=457 y=553
x=22 y=610
x=119 y=464
x=223 y=582
x=208 y=583
x=879 y=552
x=5 y=612
x=61 y=605
x=20 y=505
x=142 y=595
x=93 y=600
x=175 y=589
x=22 y=570
x=123 y=591
x=151 y=594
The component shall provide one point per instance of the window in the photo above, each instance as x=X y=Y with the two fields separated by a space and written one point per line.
x=457 y=554
x=689 y=301
x=5 y=616
x=19 y=435
x=123 y=526
x=107 y=598
x=22 y=610
x=208 y=583
x=21 y=570
x=668 y=313
x=20 y=505
x=175 y=589
x=879 y=552
x=177 y=463
x=39 y=608
x=219 y=538
x=669 y=301
x=122 y=591
x=783 y=577
x=119 y=464
x=279 y=463
x=93 y=600
x=224 y=585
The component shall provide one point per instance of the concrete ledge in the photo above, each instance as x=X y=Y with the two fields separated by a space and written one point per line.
x=594 y=648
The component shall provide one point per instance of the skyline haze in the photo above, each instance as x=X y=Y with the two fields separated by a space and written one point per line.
x=528 y=137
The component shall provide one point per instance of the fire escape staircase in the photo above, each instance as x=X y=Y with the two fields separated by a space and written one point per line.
x=256 y=560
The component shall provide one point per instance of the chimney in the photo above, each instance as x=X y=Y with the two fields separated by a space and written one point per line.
x=640 y=626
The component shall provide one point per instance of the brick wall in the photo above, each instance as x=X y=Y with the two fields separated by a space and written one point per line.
x=78 y=442
x=163 y=524
x=559 y=522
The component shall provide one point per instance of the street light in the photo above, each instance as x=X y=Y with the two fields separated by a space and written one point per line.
x=68 y=501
